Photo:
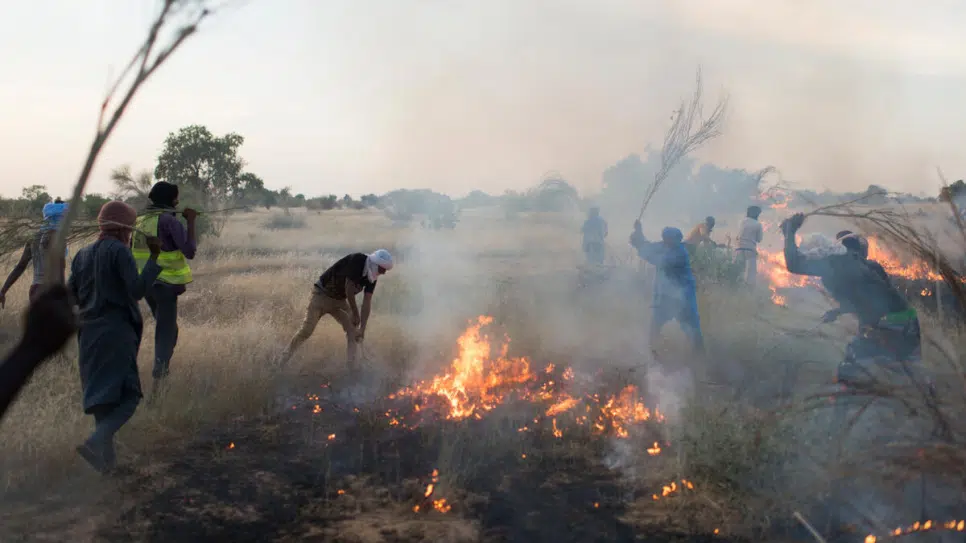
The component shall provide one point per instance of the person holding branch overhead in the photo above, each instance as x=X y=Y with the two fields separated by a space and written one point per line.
x=178 y=246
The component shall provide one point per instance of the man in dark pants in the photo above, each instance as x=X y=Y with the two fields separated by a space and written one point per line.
x=178 y=245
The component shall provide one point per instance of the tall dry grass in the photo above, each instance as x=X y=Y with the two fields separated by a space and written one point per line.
x=755 y=452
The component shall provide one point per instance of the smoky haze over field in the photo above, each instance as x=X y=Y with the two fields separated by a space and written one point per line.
x=368 y=96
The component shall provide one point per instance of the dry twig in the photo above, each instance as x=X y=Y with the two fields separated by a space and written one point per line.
x=689 y=130
x=149 y=57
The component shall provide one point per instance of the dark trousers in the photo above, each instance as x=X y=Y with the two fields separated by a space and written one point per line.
x=163 y=301
x=108 y=419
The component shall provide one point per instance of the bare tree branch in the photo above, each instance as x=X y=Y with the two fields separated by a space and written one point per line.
x=689 y=130
x=146 y=66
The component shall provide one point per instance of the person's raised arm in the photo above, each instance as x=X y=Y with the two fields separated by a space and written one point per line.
x=15 y=273
x=795 y=261
x=136 y=283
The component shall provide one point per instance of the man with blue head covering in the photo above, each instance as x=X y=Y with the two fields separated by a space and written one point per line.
x=675 y=290
x=35 y=251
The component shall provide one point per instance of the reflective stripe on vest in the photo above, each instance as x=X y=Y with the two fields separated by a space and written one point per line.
x=174 y=265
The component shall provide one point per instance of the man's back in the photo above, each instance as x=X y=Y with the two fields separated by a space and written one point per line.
x=749 y=234
x=351 y=267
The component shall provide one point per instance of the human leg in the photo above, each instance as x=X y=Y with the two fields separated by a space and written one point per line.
x=98 y=449
x=751 y=269
x=339 y=309
x=166 y=328
x=313 y=312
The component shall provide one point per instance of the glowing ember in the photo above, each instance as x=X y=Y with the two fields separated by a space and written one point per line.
x=673 y=488
x=929 y=525
x=655 y=450
x=476 y=382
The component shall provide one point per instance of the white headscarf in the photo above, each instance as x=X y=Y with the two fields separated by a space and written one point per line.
x=819 y=246
x=378 y=259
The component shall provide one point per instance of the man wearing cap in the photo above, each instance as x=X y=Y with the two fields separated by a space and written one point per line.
x=35 y=251
x=335 y=294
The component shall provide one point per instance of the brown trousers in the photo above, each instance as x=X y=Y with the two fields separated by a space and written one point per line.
x=319 y=305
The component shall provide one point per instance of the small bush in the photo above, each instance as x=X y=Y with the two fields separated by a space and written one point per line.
x=284 y=221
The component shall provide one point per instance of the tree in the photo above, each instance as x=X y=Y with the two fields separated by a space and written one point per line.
x=369 y=200
x=208 y=164
x=251 y=189
x=131 y=187
x=36 y=193
x=92 y=204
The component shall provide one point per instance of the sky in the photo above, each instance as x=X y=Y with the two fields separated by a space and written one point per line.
x=360 y=96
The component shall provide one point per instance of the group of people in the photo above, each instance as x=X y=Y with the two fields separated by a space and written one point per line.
x=143 y=256
x=888 y=324
x=146 y=256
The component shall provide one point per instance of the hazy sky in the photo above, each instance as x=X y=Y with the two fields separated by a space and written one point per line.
x=336 y=96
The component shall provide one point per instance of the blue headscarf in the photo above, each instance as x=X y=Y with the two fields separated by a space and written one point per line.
x=53 y=213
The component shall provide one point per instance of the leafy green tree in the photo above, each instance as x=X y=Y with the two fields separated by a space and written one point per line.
x=130 y=187
x=210 y=165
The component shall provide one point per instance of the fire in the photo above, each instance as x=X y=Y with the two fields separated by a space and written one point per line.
x=894 y=266
x=776 y=198
x=929 y=525
x=772 y=266
x=673 y=488
x=476 y=382
x=439 y=504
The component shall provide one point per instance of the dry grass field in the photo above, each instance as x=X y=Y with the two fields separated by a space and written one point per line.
x=576 y=433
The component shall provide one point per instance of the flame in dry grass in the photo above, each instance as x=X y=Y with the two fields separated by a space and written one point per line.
x=673 y=488
x=476 y=382
x=437 y=504
x=929 y=525
x=772 y=266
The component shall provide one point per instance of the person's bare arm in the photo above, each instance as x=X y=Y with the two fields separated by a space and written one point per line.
x=15 y=273
x=366 y=308
x=350 y=293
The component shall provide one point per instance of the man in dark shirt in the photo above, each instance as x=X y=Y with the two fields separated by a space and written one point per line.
x=888 y=325
x=335 y=294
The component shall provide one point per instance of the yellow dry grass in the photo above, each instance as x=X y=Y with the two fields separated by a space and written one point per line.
x=252 y=284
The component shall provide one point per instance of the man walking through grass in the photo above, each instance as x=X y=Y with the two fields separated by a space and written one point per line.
x=178 y=246
x=335 y=294
x=106 y=286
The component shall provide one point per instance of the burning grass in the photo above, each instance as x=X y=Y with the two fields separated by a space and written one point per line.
x=491 y=440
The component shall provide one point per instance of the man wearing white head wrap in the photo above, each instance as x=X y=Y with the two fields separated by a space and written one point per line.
x=335 y=294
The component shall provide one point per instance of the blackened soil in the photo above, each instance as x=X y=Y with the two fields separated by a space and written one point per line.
x=296 y=477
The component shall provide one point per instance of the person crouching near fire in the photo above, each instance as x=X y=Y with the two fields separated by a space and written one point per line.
x=335 y=294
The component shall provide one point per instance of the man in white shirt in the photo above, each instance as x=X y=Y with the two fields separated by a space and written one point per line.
x=749 y=236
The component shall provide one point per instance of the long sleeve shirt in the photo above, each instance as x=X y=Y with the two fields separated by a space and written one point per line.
x=174 y=237
x=860 y=286
x=750 y=234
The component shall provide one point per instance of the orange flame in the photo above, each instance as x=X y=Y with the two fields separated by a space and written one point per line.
x=476 y=382
x=929 y=525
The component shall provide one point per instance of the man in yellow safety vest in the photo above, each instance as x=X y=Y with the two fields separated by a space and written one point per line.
x=178 y=246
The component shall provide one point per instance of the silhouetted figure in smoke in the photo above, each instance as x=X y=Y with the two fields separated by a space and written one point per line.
x=675 y=290
x=700 y=235
x=594 y=232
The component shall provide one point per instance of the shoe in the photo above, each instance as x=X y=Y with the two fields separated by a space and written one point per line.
x=94 y=459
